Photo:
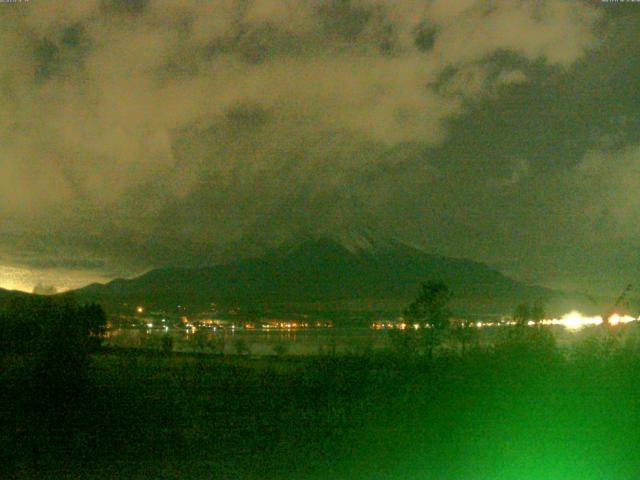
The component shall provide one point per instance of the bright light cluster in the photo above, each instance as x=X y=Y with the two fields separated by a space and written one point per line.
x=615 y=319
x=574 y=320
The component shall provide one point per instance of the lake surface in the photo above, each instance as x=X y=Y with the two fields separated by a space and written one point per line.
x=312 y=341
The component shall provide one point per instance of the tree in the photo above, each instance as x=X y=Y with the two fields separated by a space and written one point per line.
x=167 y=344
x=200 y=339
x=55 y=326
x=71 y=334
x=465 y=333
x=430 y=309
x=522 y=314
x=537 y=313
x=93 y=324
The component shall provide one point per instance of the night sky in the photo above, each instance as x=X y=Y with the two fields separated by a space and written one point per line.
x=142 y=133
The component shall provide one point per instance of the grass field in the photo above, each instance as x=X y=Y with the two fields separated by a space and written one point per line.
x=519 y=410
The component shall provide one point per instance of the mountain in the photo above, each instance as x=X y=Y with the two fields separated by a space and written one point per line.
x=347 y=273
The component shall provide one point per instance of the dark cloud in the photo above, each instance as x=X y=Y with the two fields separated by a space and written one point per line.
x=128 y=7
x=153 y=132
x=344 y=18
x=47 y=59
x=425 y=36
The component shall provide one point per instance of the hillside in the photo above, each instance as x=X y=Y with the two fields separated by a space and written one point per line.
x=8 y=296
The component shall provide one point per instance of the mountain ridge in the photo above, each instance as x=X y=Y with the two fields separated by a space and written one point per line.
x=362 y=271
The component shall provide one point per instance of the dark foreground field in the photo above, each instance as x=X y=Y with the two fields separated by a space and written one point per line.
x=518 y=411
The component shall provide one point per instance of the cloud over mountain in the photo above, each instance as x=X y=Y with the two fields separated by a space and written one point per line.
x=142 y=133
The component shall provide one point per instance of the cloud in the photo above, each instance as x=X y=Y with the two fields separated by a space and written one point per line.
x=136 y=130
x=41 y=289
x=615 y=176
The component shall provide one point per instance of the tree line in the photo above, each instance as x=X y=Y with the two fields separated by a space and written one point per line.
x=430 y=311
x=51 y=325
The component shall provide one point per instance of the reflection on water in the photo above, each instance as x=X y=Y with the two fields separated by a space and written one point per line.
x=256 y=342
x=317 y=341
